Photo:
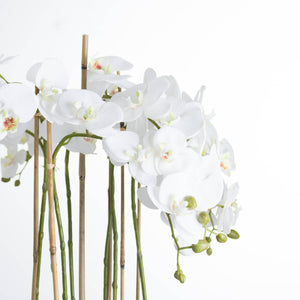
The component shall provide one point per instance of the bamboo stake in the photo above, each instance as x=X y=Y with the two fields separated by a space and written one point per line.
x=50 y=167
x=138 y=276
x=82 y=183
x=122 y=250
x=35 y=203
x=122 y=255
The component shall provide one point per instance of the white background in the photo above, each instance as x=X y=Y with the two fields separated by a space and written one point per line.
x=247 y=53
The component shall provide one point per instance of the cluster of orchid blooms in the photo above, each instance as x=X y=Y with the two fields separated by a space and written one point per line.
x=170 y=144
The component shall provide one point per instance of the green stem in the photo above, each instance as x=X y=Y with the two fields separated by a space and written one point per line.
x=70 y=227
x=32 y=134
x=212 y=223
x=42 y=219
x=65 y=140
x=62 y=241
x=115 y=229
x=154 y=123
x=187 y=247
x=4 y=79
x=106 y=253
x=175 y=240
x=137 y=239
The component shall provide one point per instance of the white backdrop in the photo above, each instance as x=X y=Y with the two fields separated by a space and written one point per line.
x=247 y=53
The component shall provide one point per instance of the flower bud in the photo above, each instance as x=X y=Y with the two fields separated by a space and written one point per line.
x=233 y=234
x=191 y=202
x=28 y=156
x=221 y=238
x=208 y=239
x=182 y=278
x=209 y=251
x=17 y=182
x=176 y=274
x=200 y=246
x=5 y=179
x=203 y=218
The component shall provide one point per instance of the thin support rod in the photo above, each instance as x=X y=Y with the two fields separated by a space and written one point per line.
x=35 y=205
x=50 y=168
x=138 y=276
x=122 y=255
x=82 y=183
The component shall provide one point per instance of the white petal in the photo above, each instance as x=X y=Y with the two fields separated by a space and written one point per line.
x=144 y=198
x=53 y=71
x=20 y=99
x=149 y=75
x=117 y=146
x=191 y=121
x=138 y=173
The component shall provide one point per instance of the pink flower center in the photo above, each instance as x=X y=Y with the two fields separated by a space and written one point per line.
x=97 y=66
x=9 y=123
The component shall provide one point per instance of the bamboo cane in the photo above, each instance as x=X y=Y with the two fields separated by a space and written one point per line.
x=82 y=183
x=50 y=167
x=35 y=203
x=122 y=255
x=109 y=267
x=122 y=250
x=138 y=276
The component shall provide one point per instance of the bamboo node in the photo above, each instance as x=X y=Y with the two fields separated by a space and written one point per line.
x=50 y=166
x=53 y=250
x=35 y=256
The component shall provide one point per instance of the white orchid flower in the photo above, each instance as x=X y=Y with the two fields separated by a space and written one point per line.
x=86 y=109
x=143 y=100
x=18 y=105
x=197 y=189
x=226 y=157
x=161 y=152
x=182 y=113
x=102 y=74
x=10 y=163
x=20 y=137
x=228 y=209
x=51 y=78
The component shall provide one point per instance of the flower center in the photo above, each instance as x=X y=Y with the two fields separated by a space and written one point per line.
x=169 y=120
x=10 y=121
x=139 y=154
x=136 y=101
x=165 y=154
x=225 y=161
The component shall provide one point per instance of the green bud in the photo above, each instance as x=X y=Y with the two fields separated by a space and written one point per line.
x=209 y=251
x=221 y=238
x=200 y=246
x=208 y=239
x=191 y=202
x=182 y=278
x=28 y=156
x=233 y=234
x=5 y=179
x=176 y=274
x=203 y=218
x=42 y=119
x=17 y=182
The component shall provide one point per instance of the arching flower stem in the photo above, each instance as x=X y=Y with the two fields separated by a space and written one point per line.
x=137 y=239
x=175 y=240
x=42 y=219
x=62 y=242
x=70 y=226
